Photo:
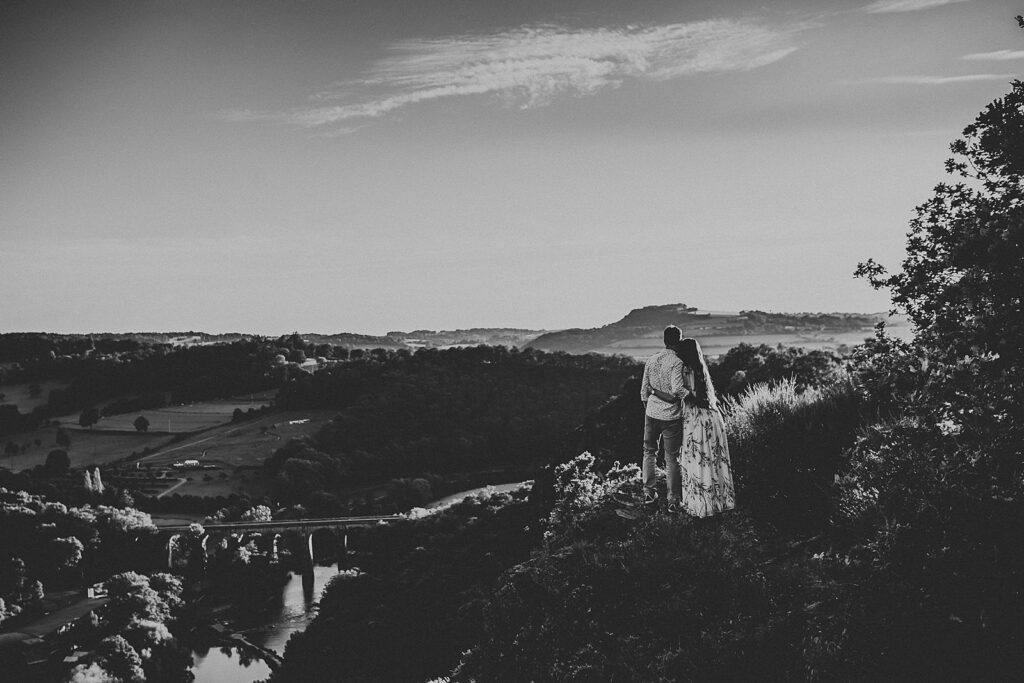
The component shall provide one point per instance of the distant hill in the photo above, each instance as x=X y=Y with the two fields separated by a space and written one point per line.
x=639 y=333
x=492 y=336
x=19 y=346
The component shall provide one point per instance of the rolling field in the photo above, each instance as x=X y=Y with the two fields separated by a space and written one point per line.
x=87 y=448
x=231 y=455
x=20 y=396
x=173 y=419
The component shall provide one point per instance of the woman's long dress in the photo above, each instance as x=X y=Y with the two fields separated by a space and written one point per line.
x=707 y=487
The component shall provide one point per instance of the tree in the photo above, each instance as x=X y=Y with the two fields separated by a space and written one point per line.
x=67 y=552
x=935 y=490
x=91 y=673
x=141 y=424
x=63 y=439
x=57 y=462
x=34 y=390
x=121 y=659
x=260 y=513
x=89 y=417
x=961 y=278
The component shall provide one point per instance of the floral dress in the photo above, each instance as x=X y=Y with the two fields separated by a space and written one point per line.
x=707 y=487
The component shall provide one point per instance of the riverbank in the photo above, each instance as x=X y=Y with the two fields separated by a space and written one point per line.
x=249 y=632
x=252 y=639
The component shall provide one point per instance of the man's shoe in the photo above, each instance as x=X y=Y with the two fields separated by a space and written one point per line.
x=644 y=498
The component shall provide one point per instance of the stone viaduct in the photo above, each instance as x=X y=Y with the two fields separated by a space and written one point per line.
x=301 y=530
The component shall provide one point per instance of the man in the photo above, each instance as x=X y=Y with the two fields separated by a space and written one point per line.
x=663 y=419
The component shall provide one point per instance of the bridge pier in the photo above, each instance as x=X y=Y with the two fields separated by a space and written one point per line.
x=170 y=550
x=343 y=550
x=307 y=564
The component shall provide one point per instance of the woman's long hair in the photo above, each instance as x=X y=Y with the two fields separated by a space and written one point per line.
x=690 y=353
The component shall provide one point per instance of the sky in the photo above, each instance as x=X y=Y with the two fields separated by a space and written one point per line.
x=376 y=165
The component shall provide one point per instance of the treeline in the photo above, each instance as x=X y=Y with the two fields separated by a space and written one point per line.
x=27 y=346
x=150 y=377
x=760 y=320
x=404 y=415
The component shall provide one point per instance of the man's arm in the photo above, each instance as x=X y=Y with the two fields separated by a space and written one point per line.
x=645 y=384
x=665 y=396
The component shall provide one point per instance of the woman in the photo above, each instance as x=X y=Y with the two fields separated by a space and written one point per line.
x=707 y=486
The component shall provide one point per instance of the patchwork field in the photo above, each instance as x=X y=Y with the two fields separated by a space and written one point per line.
x=231 y=456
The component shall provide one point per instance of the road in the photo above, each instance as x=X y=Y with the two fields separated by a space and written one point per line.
x=362 y=520
x=433 y=506
x=462 y=495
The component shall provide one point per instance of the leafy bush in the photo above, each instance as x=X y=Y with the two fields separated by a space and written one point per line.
x=787 y=447
x=746 y=365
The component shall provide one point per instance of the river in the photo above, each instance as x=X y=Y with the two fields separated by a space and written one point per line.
x=222 y=664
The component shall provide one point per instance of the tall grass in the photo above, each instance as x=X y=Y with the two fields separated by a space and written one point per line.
x=787 y=447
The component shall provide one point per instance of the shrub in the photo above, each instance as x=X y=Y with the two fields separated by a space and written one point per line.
x=663 y=598
x=787 y=447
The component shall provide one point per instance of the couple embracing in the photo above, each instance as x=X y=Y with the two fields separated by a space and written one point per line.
x=682 y=414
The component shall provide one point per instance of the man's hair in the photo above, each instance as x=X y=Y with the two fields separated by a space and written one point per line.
x=672 y=335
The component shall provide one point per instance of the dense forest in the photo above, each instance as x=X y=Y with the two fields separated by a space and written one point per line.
x=439 y=412
x=880 y=508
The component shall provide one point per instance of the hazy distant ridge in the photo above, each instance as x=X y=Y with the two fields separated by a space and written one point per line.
x=643 y=327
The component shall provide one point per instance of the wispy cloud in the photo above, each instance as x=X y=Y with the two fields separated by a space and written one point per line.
x=997 y=56
x=934 y=80
x=529 y=67
x=885 y=6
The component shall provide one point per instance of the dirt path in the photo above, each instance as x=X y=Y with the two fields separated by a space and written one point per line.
x=177 y=448
x=181 y=482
